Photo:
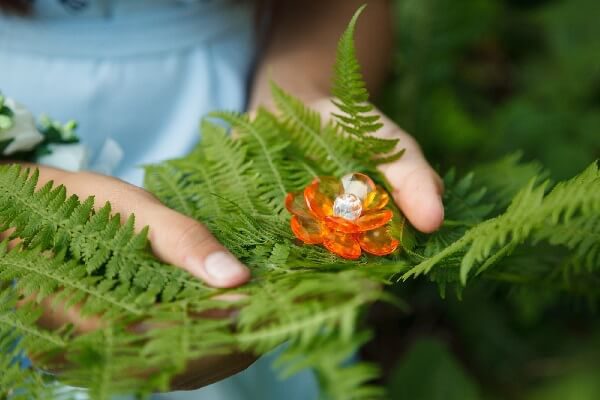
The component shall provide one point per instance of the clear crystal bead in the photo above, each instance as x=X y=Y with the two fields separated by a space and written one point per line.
x=347 y=206
x=358 y=184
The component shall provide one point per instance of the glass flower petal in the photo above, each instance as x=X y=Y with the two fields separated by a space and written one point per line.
x=343 y=215
x=341 y=225
x=320 y=195
x=358 y=184
x=374 y=220
x=377 y=199
x=343 y=245
x=309 y=230
x=378 y=241
x=296 y=204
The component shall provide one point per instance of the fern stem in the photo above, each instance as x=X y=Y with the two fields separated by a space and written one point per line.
x=315 y=135
x=425 y=266
x=314 y=320
x=32 y=331
x=36 y=270
x=184 y=206
x=265 y=154
x=107 y=363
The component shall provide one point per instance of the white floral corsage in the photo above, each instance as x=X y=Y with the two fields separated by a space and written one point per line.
x=21 y=138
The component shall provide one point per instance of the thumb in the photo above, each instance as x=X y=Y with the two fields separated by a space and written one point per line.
x=182 y=241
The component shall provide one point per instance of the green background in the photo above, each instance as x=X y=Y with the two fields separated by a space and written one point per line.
x=475 y=80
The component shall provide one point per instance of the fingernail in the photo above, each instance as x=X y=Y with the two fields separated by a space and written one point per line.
x=224 y=268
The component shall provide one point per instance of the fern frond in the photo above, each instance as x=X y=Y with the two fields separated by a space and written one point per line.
x=17 y=380
x=95 y=238
x=349 y=86
x=328 y=147
x=579 y=234
x=167 y=183
x=22 y=321
x=188 y=336
x=199 y=186
x=106 y=362
x=275 y=175
x=339 y=378
x=529 y=211
x=18 y=335
x=464 y=200
x=352 y=99
x=504 y=178
x=327 y=304
x=41 y=276
x=229 y=166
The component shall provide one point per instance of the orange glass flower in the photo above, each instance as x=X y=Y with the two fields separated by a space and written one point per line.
x=346 y=215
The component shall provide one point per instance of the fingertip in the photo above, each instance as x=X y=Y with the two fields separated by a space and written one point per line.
x=219 y=269
x=429 y=216
x=420 y=200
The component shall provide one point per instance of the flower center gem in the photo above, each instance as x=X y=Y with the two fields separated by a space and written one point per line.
x=347 y=206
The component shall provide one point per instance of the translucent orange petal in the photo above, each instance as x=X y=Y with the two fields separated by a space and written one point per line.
x=308 y=230
x=378 y=241
x=296 y=204
x=341 y=225
x=320 y=195
x=358 y=184
x=373 y=220
x=376 y=200
x=342 y=244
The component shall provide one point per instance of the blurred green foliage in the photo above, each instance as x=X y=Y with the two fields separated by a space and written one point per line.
x=446 y=378
x=473 y=81
x=476 y=79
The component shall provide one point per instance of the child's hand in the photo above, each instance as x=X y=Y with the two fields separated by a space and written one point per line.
x=417 y=187
x=299 y=54
x=175 y=238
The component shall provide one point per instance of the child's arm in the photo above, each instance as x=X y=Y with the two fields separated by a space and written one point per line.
x=299 y=55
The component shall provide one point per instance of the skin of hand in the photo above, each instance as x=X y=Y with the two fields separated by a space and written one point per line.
x=299 y=57
x=175 y=239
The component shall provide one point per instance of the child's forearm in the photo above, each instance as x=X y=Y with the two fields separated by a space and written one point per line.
x=300 y=49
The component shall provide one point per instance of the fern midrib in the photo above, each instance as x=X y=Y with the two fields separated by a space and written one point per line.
x=205 y=177
x=290 y=113
x=302 y=324
x=240 y=181
x=117 y=251
x=184 y=345
x=107 y=363
x=581 y=230
x=309 y=169
x=466 y=206
x=494 y=258
x=184 y=206
x=160 y=269
x=426 y=265
x=29 y=329
x=267 y=155
x=50 y=219
x=67 y=283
